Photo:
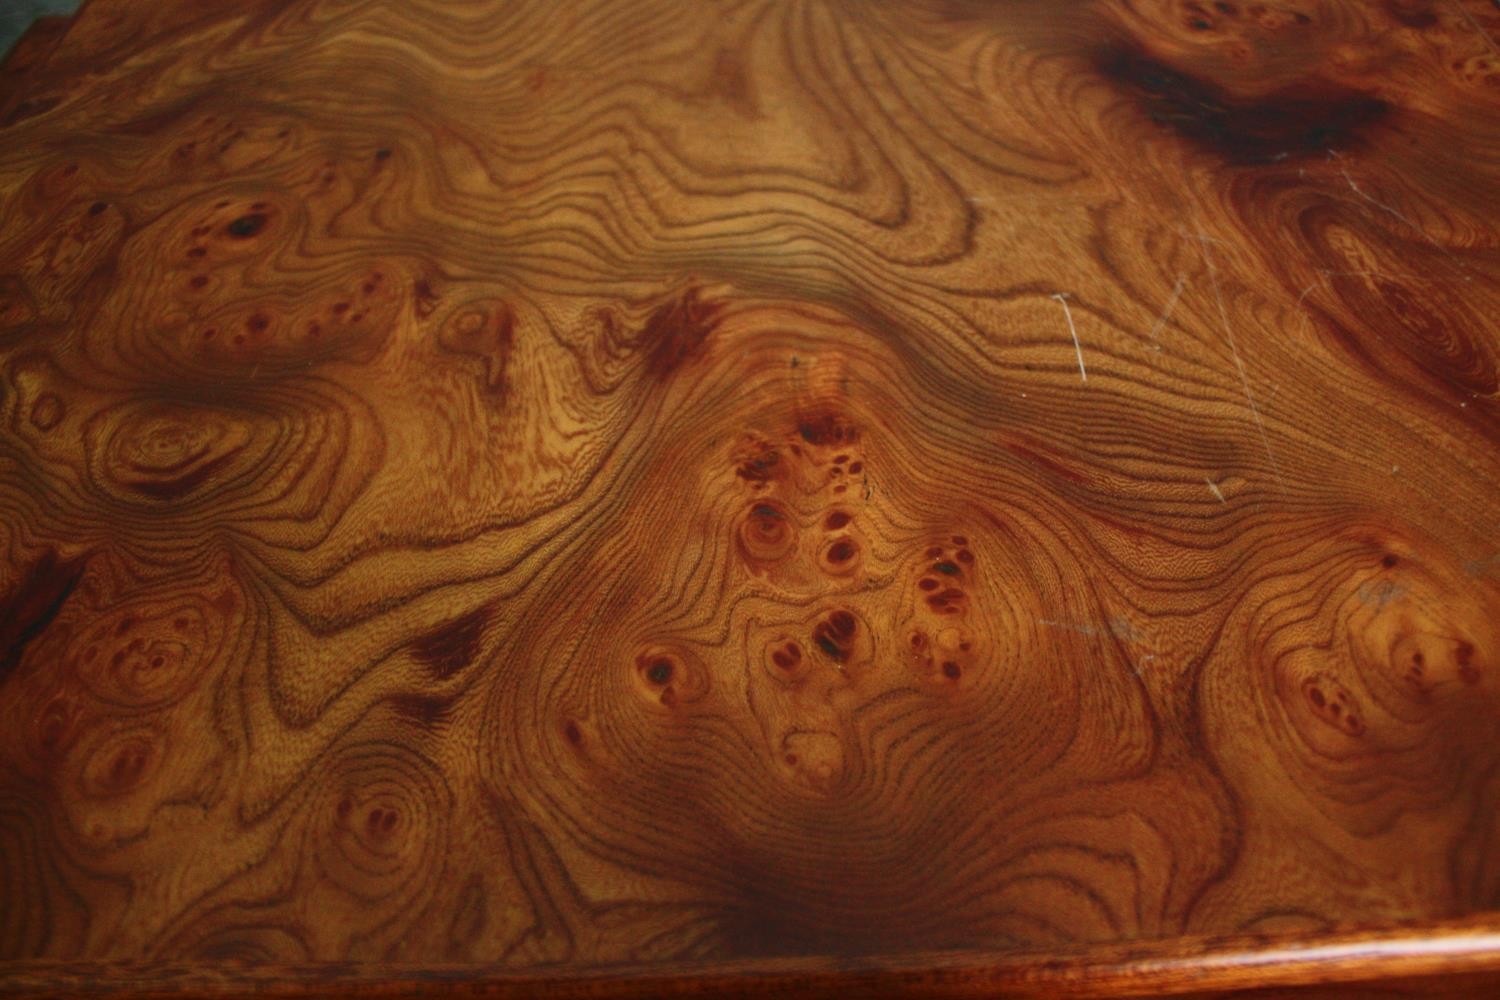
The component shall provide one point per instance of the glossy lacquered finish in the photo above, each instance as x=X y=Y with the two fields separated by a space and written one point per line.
x=944 y=496
x=1449 y=958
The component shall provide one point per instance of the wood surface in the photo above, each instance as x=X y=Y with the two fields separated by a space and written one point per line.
x=538 y=487
x=1458 y=958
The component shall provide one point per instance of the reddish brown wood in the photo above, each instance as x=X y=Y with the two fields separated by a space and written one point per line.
x=631 y=497
x=1448 y=958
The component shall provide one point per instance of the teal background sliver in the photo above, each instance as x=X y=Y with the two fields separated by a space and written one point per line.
x=16 y=16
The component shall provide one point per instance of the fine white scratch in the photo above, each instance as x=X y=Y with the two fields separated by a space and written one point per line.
x=1198 y=234
x=1380 y=592
x=1378 y=203
x=1161 y=320
x=1119 y=627
x=1305 y=292
x=1214 y=489
x=1325 y=274
x=1369 y=274
x=1476 y=26
x=1239 y=364
x=1077 y=347
x=1392 y=211
x=1070 y=626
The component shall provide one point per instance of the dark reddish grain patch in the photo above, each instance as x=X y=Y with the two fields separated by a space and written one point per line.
x=788 y=656
x=676 y=331
x=1411 y=13
x=835 y=635
x=426 y=711
x=758 y=467
x=451 y=648
x=827 y=429
x=34 y=601
x=247 y=225
x=1035 y=457
x=1297 y=122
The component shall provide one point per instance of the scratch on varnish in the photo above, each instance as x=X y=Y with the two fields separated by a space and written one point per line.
x=1488 y=40
x=1073 y=330
x=1402 y=217
x=1239 y=364
x=1166 y=312
x=1323 y=276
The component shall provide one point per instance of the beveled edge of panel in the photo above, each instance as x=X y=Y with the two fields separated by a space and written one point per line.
x=1415 y=955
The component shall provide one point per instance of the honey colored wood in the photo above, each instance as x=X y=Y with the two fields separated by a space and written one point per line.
x=964 y=496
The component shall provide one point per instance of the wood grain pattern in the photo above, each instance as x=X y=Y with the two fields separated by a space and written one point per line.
x=1387 y=963
x=634 y=484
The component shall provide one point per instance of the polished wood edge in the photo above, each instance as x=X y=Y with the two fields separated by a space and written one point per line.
x=1171 y=967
